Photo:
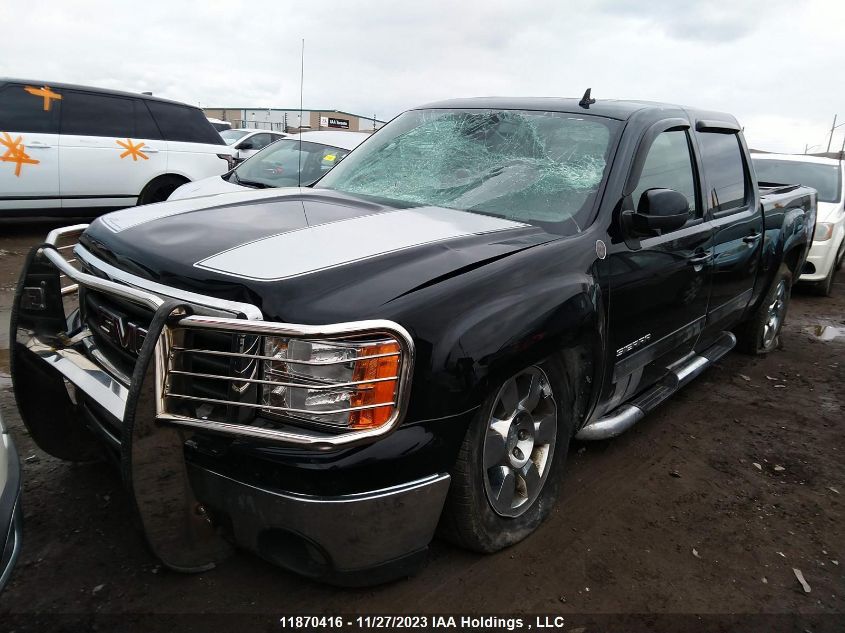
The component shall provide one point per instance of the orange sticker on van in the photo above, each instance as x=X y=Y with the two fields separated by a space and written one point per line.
x=15 y=153
x=132 y=150
x=47 y=94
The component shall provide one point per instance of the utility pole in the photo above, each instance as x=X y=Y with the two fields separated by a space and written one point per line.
x=832 y=128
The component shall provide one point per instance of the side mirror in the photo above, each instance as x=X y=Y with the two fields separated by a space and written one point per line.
x=658 y=210
x=245 y=145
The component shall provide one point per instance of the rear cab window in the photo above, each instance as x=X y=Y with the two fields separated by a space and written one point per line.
x=725 y=171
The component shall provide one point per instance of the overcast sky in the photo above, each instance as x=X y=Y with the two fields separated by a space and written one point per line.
x=775 y=64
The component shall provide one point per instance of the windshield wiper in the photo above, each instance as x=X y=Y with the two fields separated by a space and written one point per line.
x=250 y=183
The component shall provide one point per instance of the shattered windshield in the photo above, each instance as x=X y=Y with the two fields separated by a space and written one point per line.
x=543 y=168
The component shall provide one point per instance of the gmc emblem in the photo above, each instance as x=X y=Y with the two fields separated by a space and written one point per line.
x=121 y=332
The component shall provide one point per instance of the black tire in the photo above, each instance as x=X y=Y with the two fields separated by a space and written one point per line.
x=753 y=336
x=469 y=518
x=159 y=190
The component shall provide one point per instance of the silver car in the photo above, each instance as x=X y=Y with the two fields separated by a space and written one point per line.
x=11 y=515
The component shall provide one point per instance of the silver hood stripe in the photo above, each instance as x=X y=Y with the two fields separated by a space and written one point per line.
x=315 y=248
x=118 y=221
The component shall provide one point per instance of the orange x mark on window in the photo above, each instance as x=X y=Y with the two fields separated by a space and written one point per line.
x=15 y=153
x=45 y=92
x=132 y=150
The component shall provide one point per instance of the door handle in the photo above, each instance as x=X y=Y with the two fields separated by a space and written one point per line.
x=37 y=145
x=752 y=239
x=701 y=258
x=148 y=150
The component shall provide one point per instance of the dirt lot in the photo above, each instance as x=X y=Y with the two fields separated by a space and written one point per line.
x=694 y=518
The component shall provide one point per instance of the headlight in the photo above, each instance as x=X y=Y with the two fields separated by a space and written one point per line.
x=350 y=384
x=824 y=231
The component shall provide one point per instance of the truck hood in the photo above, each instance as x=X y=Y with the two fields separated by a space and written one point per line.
x=206 y=187
x=302 y=255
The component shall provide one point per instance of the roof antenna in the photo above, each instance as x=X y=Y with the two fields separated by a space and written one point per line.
x=586 y=101
x=301 y=85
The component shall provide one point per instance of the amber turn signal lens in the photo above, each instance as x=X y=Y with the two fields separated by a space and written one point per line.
x=383 y=364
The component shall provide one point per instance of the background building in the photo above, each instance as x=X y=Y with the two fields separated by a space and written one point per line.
x=287 y=119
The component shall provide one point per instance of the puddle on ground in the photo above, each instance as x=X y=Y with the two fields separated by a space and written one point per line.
x=827 y=332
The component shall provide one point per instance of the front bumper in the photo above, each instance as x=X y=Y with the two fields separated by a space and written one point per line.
x=822 y=257
x=355 y=538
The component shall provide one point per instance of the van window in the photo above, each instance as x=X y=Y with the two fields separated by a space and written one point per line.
x=668 y=165
x=88 y=114
x=724 y=169
x=21 y=111
x=145 y=127
x=183 y=123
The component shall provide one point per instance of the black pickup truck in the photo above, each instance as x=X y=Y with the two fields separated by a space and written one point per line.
x=327 y=376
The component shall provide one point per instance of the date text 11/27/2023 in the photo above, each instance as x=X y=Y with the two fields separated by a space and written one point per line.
x=436 y=622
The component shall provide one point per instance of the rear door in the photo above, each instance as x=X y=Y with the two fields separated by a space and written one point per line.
x=737 y=222
x=29 y=147
x=110 y=148
x=659 y=284
x=194 y=148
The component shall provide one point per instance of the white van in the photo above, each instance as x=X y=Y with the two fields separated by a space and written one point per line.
x=73 y=150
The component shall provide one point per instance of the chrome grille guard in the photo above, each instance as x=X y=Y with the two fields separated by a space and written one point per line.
x=209 y=314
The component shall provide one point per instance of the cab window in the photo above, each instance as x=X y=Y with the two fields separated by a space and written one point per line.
x=22 y=111
x=668 y=165
x=724 y=170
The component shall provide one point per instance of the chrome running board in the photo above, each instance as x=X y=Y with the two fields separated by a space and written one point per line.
x=627 y=415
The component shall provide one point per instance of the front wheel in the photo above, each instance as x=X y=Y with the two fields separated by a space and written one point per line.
x=506 y=479
x=761 y=332
x=160 y=189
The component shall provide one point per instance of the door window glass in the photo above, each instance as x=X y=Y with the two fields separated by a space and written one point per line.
x=22 y=111
x=145 y=127
x=669 y=166
x=259 y=141
x=725 y=171
x=183 y=123
x=90 y=114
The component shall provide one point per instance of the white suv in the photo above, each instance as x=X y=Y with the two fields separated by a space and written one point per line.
x=827 y=176
x=72 y=150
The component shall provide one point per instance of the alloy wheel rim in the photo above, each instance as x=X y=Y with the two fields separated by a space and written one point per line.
x=774 y=315
x=519 y=442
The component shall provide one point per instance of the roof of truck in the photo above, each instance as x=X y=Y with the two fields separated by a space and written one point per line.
x=106 y=91
x=611 y=108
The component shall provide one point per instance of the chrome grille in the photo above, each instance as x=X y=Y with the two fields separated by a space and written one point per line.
x=215 y=375
x=236 y=404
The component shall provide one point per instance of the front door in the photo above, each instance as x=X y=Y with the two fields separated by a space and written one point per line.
x=737 y=223
x=659 y=291
x=29 y=148
x=110 y=149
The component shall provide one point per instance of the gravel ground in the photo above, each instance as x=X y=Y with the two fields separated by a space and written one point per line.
x=694 y=518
